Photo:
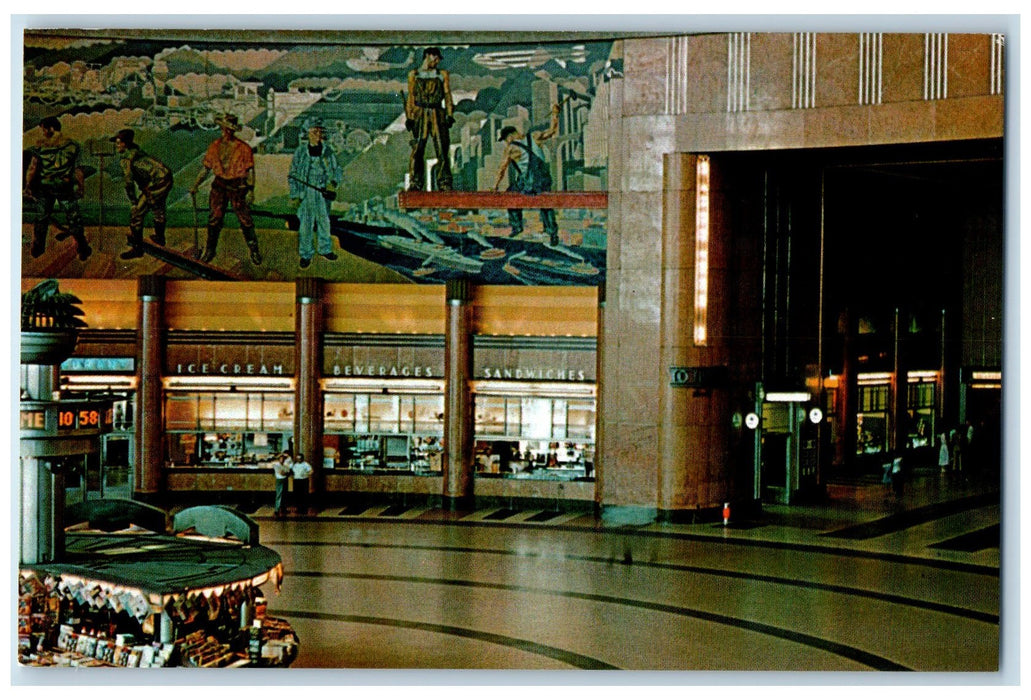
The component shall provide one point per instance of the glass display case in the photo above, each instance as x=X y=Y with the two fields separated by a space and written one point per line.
x=229 y=429
x=534 y=436
x=397 y=432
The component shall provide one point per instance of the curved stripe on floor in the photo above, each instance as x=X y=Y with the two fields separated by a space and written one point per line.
x=892 y=598
x=875 y=662
x=567 y=657
x=944 y=564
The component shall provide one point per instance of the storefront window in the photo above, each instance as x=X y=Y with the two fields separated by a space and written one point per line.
x=384 y=414
x=225 y=449
x=228 y=429
x=872 y=419
x=920 y=404
x=534 y=437
x=396 y=432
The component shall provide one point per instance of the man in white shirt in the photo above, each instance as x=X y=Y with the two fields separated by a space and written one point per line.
x=283 y=468
x=301 y=471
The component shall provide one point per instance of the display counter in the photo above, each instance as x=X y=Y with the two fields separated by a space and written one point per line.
x=126 y=594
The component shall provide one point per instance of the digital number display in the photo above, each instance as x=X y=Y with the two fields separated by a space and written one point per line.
x=68 y=417
x=76 y=420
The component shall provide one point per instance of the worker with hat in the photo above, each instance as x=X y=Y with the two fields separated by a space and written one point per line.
x=154 y=180
x=313 y=177
x=232 y=162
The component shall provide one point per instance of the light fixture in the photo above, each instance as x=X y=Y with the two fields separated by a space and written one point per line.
x=534 y=389
x=701 y=254
x=240 y=382
x=401 y=386
x=788 y=396
x=986 y=376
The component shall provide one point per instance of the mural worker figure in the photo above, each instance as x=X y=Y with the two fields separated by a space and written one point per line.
x=429 y=115
x=54 y=179
x=232 y=162
x=528 y=172
x=154 y=179
x=314 y=174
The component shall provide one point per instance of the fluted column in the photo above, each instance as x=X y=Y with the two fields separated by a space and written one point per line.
x=150 y=361
x=458 y=419
x=694 y=471
x=308 y=427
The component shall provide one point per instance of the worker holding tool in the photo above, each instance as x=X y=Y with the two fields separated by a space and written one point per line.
x=154 y=180
x=313 y=177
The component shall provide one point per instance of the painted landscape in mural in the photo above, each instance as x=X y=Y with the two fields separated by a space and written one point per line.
x=222 y=158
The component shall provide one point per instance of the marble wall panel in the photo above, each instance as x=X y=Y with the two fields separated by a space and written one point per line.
x=646 y=139
x=766 y=130
x=640 y=243
x=843 y=126
x=969 y=118
x=902 y=122
x=645 y=65
x=630 y=477
x=770 y=71
x=640 y=299
x=637 y=402
x=969 y=64
x=837 y=69
x=710 y=133
x=530 y=488
x=678 y=304
x=903 y=67
x=707 y=73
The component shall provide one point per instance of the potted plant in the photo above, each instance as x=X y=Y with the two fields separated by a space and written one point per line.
x=50 y=323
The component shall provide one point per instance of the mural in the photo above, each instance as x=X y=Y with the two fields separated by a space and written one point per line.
x=222 y=158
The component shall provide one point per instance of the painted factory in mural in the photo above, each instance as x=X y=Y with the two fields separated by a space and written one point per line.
x=355 y=163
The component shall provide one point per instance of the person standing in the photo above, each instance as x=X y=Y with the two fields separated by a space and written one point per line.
x=54 y=179
x=314 y=174
x=943 y=453
x=429 y=114
x=528 y=173
x=301 y=472
x=232 y=162
x=154 y=180
x=283 y=468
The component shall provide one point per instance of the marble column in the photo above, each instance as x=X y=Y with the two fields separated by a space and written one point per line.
x=150 y=361
x=694 y=471
x=308 y=428
x=458 y=418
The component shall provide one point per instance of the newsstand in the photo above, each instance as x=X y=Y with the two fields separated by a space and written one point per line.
x=130 y=593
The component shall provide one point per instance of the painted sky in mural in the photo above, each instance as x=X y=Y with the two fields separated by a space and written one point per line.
x=175 y=97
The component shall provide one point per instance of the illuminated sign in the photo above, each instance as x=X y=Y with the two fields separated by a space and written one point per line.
x=98 y=364
x=67 y=416
x=33 y=420
x=229 y=368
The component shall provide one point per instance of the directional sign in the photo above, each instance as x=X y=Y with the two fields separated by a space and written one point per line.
x=698 y=377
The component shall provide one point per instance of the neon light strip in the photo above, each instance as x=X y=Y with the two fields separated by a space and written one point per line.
x=701 y=259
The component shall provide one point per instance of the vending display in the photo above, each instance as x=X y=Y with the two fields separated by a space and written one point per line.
x=55 y=629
